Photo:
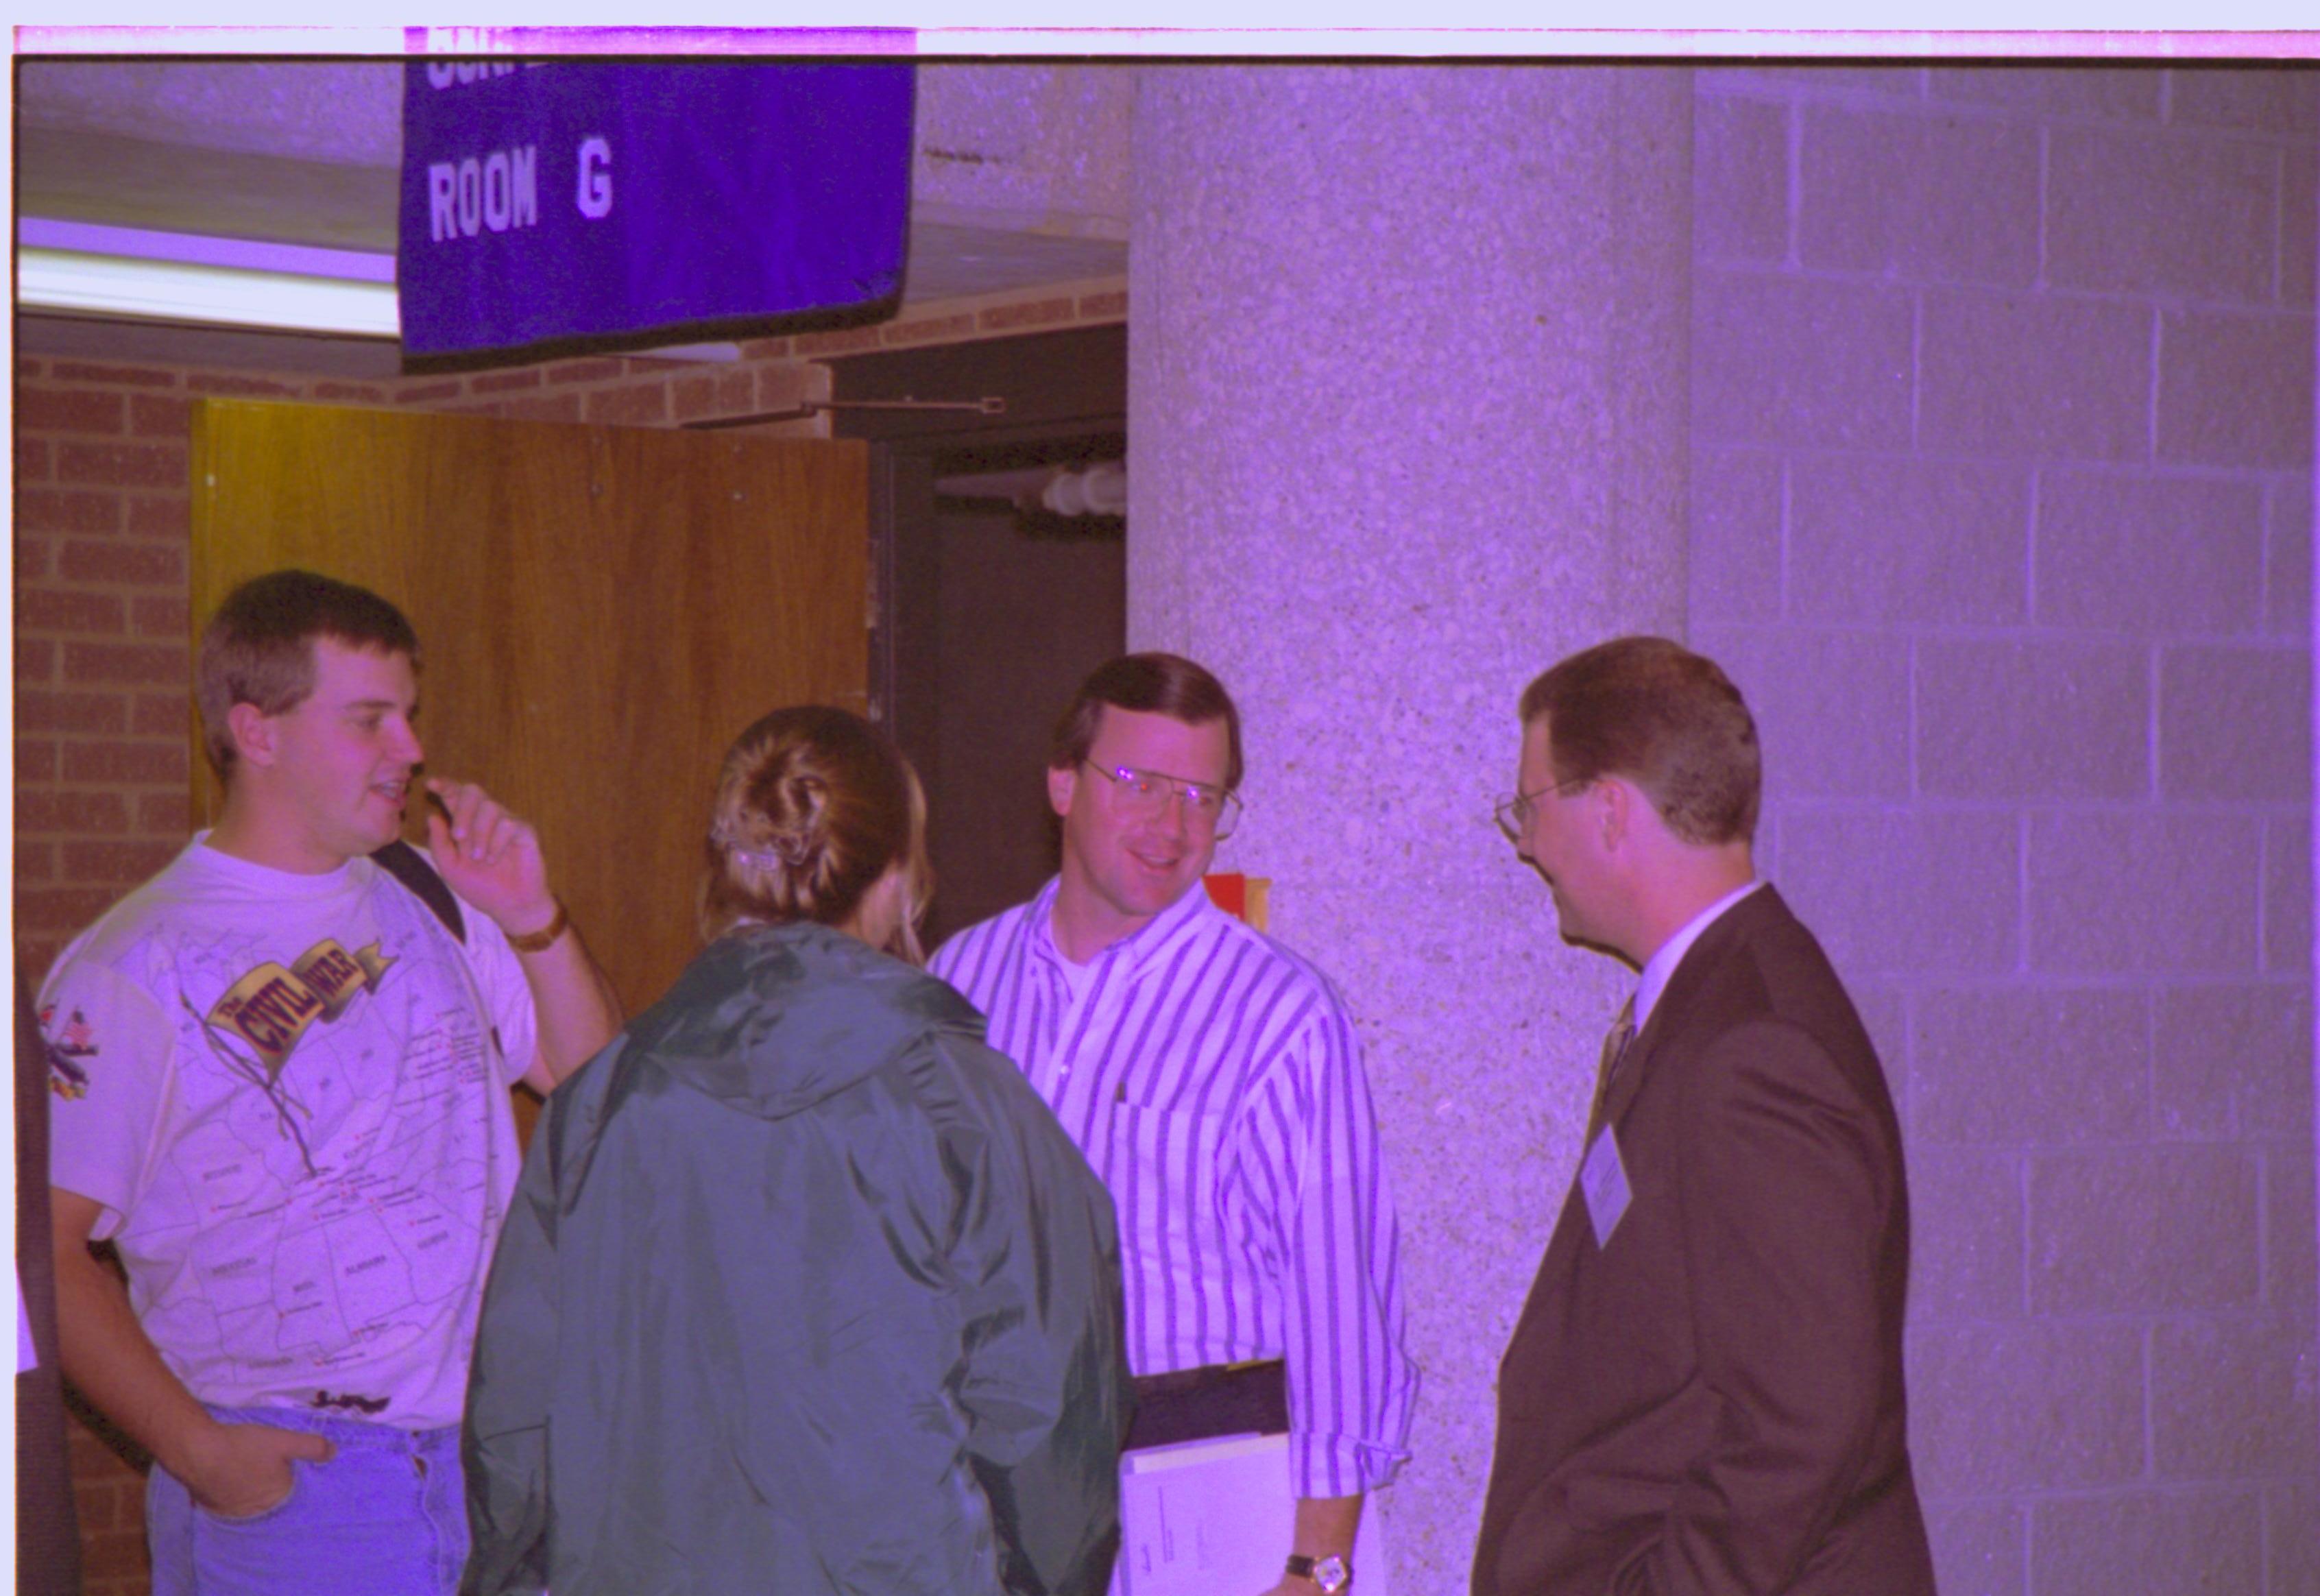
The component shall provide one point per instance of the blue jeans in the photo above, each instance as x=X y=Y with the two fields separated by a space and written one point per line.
x=387 y=1516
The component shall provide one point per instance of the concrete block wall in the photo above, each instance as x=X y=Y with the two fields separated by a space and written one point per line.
x=103 y=672
x=2002 y=399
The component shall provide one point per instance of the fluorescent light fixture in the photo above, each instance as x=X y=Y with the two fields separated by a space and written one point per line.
x=198 y=248
x=161 y=291
x=86 y=268
x=182 y=277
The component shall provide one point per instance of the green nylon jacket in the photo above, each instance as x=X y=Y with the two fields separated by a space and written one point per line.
x=803 y=1291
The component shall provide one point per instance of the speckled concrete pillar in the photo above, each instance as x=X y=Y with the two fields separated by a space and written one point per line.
x=1407 y=404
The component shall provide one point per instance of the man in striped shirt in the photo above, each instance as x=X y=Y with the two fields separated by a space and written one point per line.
x=1213 y=1079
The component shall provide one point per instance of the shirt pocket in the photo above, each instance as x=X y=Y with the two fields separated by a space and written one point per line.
x=1165 y=1171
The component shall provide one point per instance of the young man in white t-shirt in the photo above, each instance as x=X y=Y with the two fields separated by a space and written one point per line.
x=282 y=1079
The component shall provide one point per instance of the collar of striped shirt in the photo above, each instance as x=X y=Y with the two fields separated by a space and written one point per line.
x=1146 y=948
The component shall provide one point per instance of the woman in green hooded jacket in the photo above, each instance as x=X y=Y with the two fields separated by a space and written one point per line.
x=803 y=1291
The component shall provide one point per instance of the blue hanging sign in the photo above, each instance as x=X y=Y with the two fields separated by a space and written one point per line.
x=594 y=204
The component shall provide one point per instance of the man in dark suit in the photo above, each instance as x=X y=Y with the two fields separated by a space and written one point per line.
x=1704 y=1392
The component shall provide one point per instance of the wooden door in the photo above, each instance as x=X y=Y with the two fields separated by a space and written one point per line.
x=600 y=610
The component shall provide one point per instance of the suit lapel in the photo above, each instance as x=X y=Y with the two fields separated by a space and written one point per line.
x=1731 y=931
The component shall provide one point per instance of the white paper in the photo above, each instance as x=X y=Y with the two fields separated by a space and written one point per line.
x=1213 y=1519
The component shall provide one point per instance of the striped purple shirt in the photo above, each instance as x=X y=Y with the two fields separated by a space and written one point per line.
x=1214 y=1081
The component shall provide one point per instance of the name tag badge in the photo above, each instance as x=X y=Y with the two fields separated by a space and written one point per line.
x=1603 y=1181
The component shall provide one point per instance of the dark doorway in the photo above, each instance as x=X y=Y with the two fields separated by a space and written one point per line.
x=989 y=607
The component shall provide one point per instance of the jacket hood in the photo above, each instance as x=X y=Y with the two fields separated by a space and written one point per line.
x=770 y=1019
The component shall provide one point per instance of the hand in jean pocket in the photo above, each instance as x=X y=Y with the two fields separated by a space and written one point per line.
x=243 y=1471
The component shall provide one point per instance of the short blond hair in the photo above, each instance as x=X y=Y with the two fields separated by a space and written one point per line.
x=814 y=805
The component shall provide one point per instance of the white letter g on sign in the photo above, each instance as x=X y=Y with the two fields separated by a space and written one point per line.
x=595 y=195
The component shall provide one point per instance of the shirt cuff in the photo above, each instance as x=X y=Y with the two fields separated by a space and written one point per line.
x=1339 y=1466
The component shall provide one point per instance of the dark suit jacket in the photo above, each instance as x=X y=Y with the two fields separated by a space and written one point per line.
x=1711 y=1401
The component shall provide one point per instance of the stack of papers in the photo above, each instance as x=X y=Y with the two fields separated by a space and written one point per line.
x=1212 y=1518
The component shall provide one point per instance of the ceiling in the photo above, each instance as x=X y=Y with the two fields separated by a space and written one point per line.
x=308 y=152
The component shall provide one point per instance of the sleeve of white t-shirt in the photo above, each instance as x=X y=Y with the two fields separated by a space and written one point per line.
x=112 y=1066
x=507 y=994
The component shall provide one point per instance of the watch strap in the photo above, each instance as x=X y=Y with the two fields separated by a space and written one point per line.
x=545 y=937
x=1332 y=1574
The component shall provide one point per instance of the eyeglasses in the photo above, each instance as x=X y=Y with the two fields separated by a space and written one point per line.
x=1145 y=794
x=1513 y=814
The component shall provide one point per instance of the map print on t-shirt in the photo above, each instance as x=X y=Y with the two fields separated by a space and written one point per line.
x=327 y=1190
x=271 y=1007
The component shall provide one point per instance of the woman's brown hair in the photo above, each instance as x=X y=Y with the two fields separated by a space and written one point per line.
x=814 y=805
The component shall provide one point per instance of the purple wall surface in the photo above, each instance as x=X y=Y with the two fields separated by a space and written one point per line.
x=2002 y=424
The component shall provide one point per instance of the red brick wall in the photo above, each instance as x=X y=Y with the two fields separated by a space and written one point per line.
x=103 y=699
x=102 y=683
x=109 y=1498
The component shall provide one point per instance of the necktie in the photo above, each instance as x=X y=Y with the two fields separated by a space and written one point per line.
x=1615 y=1048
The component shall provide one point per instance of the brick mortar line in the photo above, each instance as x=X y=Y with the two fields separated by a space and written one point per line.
x=2140 y=465
x=1897 y=282
x=2271 y=537
x=1870 y=807
x=97 y=587
x=2255 y=1146
x=1964 y=983
x=2240 y=1316
x=2137 y=1485
x=2259 y=639
x=2160 y=471
x=107 y=739
x=1737 y=82
x=83 y=788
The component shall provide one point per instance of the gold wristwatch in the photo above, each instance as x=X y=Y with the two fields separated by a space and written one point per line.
x=1333 y=1574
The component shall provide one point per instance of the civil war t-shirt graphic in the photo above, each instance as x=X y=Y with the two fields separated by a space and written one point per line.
x=271 y=1007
